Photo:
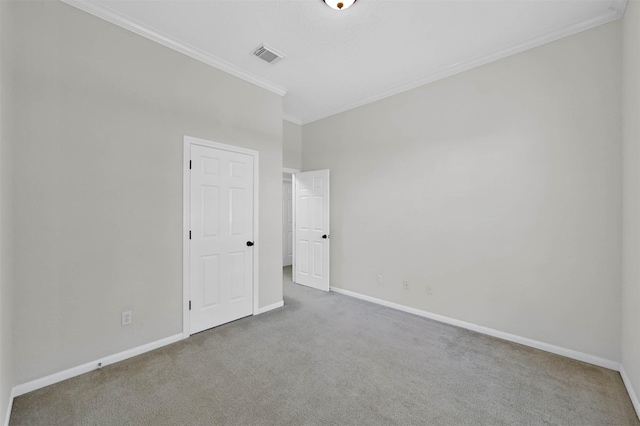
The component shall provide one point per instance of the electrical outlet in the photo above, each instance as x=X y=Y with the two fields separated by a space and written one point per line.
x=405 y=284
x=126 y=318
x=379 y=279
x=429 y=290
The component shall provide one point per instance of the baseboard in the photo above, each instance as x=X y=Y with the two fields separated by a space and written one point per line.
x=93 y=365
x=630 y=390
x=569 y=353
x=85 y=368
x=262 y=310
x=9 y=408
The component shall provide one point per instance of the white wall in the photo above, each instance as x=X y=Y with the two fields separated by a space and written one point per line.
x=100 y=115
x=291 y=145
x=499 y=187
x=6 y=281
x=631 y=211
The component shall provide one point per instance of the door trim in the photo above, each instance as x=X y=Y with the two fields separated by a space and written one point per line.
x=186 y=214
x=293 y=223
x=293 y=206
x=290 y=180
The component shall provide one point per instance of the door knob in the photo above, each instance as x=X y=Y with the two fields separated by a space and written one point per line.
x=325 y=236
x=249 y=243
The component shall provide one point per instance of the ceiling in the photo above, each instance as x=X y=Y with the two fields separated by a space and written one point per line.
x=338 y=60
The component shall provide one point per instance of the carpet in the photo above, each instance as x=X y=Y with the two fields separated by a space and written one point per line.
x=328 y=359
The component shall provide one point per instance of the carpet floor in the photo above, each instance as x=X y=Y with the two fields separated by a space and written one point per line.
x=329 y=359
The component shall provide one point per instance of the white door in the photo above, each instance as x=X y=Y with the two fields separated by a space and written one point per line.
x=221 y=230
x=311 y=259
x=287 y=222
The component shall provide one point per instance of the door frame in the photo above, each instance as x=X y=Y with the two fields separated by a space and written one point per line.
x=293 y=219
x=186 y=214
x=285 y=179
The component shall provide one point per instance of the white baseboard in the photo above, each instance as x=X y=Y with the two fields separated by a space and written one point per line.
x=268 y=308
x=93 y=365
x=569 y=353
x=9 y=408
x=111 y=359
x=84 y=368
x=630 y=390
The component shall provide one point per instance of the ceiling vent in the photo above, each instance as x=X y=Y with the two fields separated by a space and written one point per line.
x=268 y=54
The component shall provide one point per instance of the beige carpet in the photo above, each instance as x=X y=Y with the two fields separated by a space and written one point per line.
x=332 y=360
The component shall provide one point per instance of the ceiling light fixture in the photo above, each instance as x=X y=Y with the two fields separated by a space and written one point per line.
x=339 y=4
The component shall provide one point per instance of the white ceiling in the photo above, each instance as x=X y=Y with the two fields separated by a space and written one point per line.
x=337 y=60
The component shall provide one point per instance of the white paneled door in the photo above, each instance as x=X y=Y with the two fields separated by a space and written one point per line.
x=287 y=222
x=311 y=194
x=221 y=231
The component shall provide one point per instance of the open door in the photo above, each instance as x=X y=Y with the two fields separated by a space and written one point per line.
x=311 y=229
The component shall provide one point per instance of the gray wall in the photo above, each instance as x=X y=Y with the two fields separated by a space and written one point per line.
x=631 y=213
x=101 y=114
x=499 y=187
x=6 y=279
x=291 y=145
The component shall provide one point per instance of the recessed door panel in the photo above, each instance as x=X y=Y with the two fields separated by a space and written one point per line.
x=238 y=269
x=237 y=211
x=211 y=166
x=318 y=260
x=210 y=280
x=303 y=217
x=237 y=169
x=303 y=257
x=210 y=211
x=318 y=213
x=303 y=183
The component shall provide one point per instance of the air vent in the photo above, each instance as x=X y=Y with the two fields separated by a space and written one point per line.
x=268 y=54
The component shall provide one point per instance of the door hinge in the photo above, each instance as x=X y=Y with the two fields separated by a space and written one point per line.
x=189 y=234
x=189 y=164
x=189 y=304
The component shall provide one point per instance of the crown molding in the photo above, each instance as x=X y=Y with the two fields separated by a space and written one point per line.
x=620 y=6
x=291 y=119
x=120 y=20
x=616 y=11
